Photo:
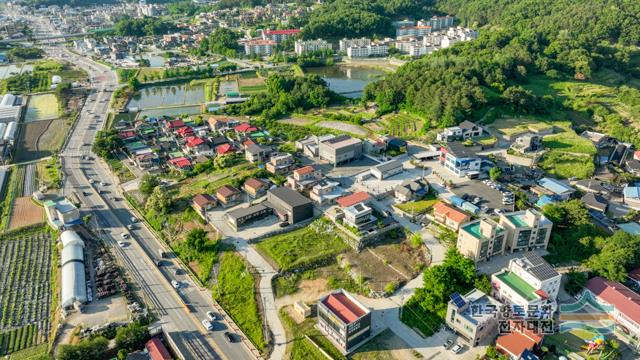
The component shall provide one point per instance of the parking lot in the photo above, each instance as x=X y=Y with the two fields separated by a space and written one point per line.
x=491 y=198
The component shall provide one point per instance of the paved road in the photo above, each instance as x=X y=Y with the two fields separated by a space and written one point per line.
x=111 y=215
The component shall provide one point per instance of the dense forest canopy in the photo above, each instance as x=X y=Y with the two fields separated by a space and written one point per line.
x=565 y=38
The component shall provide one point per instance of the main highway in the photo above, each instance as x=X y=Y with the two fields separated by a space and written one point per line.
x=91 y=180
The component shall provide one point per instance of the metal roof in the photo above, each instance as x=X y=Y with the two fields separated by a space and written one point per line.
x=289 y=196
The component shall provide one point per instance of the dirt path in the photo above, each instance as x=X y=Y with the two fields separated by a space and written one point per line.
x=308 y=291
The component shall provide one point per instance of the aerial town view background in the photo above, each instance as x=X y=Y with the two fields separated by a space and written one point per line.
x=331 y=179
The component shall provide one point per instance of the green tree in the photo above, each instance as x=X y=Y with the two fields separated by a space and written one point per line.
x=618 y=254
x=148 y=183
x=575 y=281
x=495 y=173
x=197 y=239
x=85 y=350
x=107 y=143
x=132 y=337
x=159 y=201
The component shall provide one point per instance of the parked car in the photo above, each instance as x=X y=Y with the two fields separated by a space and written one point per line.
x=229 y=337
x=134 y=219
x=207 y=324
x=447 y=344
x=124 y=235
x=457 y=348
x=122 y=244
x=130 y=227
x=211 y=315
x=102 y=183
x=284 y=224
x=175 y=284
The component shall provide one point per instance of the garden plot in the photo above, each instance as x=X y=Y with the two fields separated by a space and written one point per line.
x=25 y=288
x=42 y=107
x=24 y=213
x=402 y=124
x=251 y=84
x=27 y=148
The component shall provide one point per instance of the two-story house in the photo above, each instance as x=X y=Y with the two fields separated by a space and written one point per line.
x=304 y=178
x=279 y=163
x=449 y=216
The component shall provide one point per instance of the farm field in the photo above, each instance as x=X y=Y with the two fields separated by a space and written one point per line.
x=402 y=124
x=251 y=84
x=303 y=246
x=48 y=173
x=42 y=107
x=25 y=288
x=509 y=126
x=53 y=138
x=27 y=143
x=24 y=213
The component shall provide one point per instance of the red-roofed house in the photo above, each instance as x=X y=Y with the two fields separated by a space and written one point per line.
x=173 y=125
x=304 y=178
x=245 y=128
x=345 y=321
x=181 y=163
x=157 y=350
x=449 y=216
x=185 y=131
x=255 y=187
x=518 y=341
x=197 y=146
x=225 y=149
x=626 y=302
x=127 y=134
x=355 y=198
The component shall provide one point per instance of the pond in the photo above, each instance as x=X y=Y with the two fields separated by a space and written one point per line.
x=167 y=96
x=347 y=80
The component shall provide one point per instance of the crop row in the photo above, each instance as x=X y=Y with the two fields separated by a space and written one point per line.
x=20 y=338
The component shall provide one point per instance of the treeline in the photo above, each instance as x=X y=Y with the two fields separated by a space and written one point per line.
x=145 y=26
x=21 y=53
x=286 y=93
x=449 y=85
x=221 y=41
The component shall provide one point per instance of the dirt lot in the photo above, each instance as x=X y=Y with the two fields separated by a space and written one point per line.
x=297 y=121
x=53 y=138
x=343 y=126
x=25 y=213
x=308 y=291
x=27 y=144
x=256 y=81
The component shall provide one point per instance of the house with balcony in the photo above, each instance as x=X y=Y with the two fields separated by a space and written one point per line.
x=482 y=239
x=528 y=281
x=280 y=163
x=304 y=178
x=473 y=316
x=460 y=160
x=325 y=192
x=358 y=216
x=526 y=230
x=449 y=216
x=466 y=130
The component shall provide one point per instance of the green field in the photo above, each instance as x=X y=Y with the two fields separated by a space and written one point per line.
x=403 y=124
x=301 y=348
x=568 y=142
x=566 y=166
x=417 y=207
x=236 y=293
x=42 y=107
x=303 y=246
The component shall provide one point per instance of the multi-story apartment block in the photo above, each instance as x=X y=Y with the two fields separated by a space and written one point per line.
x=340 y=149
x=279 y=163
x=527 y=230
x=418 y=30
x=344 y=320
x=305 y=46
x=263 y=47
x=345 y=43
x=279 y=35
x=438 y=22
x=481 y=239
x=372 y=50
x=459 y=159
x=528 y=282
x=471 y=316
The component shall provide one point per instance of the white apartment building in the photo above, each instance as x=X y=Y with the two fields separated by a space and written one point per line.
x=259 y=47
x=527 y=230
x=527 y=282
x=418 y=30
x=304 y=46
x=347 y=43
x=438 y=22
x=367 y=51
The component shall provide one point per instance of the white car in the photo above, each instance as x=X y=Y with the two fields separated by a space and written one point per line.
x=122 y=244
x=91 y=181
x=134 y=219
x=211 y=315
x=102 y=183
x=130 y=227
x=207 y=324
x=175 y=284
x=457 y=348
x=124 y=235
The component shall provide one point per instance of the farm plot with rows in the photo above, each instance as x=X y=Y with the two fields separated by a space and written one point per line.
x=25 y=288
x=402 y=124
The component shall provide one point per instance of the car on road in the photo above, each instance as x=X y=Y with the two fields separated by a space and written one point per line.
x=102 y=183
x=284 y=224
x=133 y=219
x=175 y=284
x=207 y=324
x=122 y=244
x=124 y=235
x=211 y=315
x=447 y=344
x=229 y=337
x=130 y=227
x=456 y=349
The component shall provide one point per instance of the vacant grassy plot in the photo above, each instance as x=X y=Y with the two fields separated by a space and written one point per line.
x=123 y=172
x=236 y=294
x=25 y=275
x=565 y=165
x=303 y=246
x=513 y=126
x=150 y=74
x=403 y=124
x=27 y=142
x=569 y=142
x=42 y=107
x=48 y=173
x=210 y=182
x=301 y=348
x=53 y=138
x=417 y=207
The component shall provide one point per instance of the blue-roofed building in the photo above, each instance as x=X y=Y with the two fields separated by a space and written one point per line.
x=556 y=188
x=632 y=197
x=474 y=317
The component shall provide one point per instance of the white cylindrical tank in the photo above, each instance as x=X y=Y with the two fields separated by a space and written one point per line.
x=10 y=133
x=8 y=100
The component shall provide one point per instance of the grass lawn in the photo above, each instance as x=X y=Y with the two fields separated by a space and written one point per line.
x=301 y=348
x=417 y=207
x=565 y=165
x=415 y=317
x=150 y=74
x=236 y=293
x=42 y=107
x=210 y=182
x=48 y=173
x=252 y=89
x=569 y=142
x=307 y=245
x=123 y=172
